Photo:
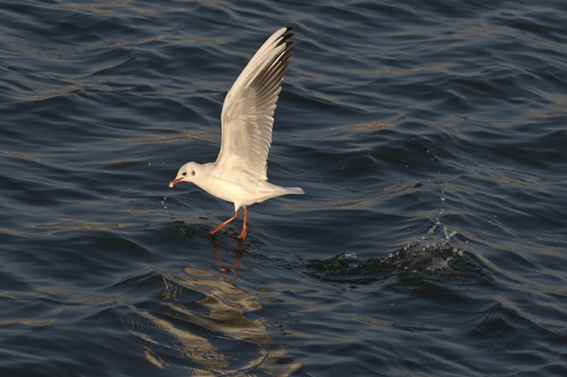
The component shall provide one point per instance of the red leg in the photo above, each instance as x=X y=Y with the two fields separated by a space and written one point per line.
x=226 y=222
x=243 y=234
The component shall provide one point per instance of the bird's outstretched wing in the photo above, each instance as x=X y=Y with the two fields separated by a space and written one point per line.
x=248 y=110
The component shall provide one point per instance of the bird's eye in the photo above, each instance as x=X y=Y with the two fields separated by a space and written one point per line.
x=193 y=172
x=184 y=173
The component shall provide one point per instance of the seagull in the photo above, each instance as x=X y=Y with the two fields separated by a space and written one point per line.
x=239 y=175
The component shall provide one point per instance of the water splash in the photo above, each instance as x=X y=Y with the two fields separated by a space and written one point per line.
x=428 y=259
x=438 y=225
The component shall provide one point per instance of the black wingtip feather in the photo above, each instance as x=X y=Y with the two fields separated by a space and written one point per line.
x=284 y=39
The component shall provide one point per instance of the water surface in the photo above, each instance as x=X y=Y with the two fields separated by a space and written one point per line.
x=430 y=140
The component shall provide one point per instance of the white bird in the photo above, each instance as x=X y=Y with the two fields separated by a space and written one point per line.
x=239 y=173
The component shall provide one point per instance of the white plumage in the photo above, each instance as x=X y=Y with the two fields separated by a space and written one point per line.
x=239 y=173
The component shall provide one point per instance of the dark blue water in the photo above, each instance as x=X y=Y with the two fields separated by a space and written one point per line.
x=430 y=138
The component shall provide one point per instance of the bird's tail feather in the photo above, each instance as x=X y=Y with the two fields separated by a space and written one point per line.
x=294 y=190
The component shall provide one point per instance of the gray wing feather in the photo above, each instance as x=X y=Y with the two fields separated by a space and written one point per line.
x=248 y=111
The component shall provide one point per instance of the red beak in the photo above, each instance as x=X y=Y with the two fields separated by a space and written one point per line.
x=174 y=182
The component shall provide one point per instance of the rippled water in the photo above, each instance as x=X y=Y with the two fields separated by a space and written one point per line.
x=430 y=139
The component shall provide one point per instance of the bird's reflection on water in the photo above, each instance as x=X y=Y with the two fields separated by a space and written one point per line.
x=222 y=266
x=211 y=334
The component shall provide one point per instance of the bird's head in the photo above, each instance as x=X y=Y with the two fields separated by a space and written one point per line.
x=186 y=173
